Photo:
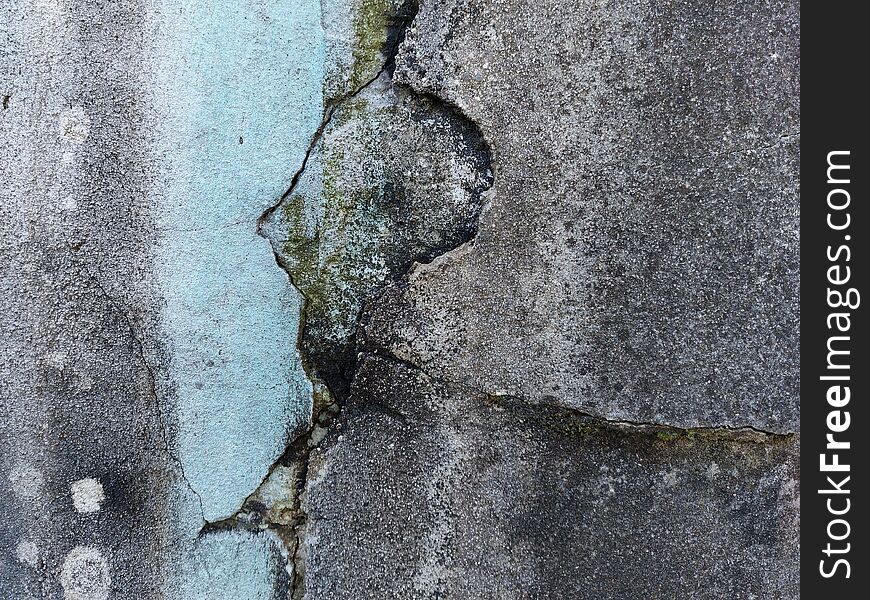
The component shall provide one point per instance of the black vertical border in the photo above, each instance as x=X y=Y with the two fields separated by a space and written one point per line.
x=834 y=71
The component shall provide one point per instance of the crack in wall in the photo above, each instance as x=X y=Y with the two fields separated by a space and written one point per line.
x=389 y=63
x=390 y=178
x=289 y=526
x=665 y=430
x=330 y=394
x=151 y=377
x=251 y=515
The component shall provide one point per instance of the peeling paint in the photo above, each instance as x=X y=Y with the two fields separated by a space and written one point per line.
x=229 y=73
x=394 y=179
x=230 y=314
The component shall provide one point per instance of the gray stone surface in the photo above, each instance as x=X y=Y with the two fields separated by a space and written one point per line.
x=638 y=256
x=76 y=401
x=516 y=428
x=448 y=494
x=527 y=327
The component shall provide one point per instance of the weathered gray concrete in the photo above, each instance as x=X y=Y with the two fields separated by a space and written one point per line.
x=150 y=377
x=638 y=259
x=634 y=271
x=448 y=494
x=77 y=399
x=343 y=299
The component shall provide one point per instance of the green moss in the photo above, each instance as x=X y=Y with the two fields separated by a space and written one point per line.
x=370 y=34
x=671 y=435
x=588 y=429
x=332 y=265
x=351 y=110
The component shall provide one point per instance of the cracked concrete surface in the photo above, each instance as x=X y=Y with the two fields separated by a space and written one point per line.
x=631 y=292
x=372 y=299
x=466 y=497
x=638 y=259
x=392 y=179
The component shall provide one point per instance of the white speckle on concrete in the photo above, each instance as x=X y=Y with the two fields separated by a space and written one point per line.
x=87 y=495
x=57 y=359
x=713 y=470
x=85 y=575
x=75 y=124
x=27 y=552
x=83 y=381
x=69 y=204
x=26 y=480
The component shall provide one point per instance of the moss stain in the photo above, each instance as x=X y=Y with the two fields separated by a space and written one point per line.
x=338 y=264
x=371 y=26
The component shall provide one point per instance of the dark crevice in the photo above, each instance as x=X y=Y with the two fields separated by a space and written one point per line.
x=335 y=373
x=664 y=430
x=374 y=351
x=661 y=430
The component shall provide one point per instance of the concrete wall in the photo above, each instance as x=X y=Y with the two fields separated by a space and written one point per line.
x=370 y=299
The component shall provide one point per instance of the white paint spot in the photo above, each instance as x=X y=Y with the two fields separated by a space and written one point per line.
x=75 y=124
x=713 y=470
x=85 y=575
x=27 y=552
x=57 y=359
x=27 y=481
x=87 y=495
x=69 y=204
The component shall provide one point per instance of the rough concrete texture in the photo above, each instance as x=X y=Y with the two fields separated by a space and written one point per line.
x=395 y=178
x=638 y=259
x=448 y=494
x=77 y=396
x=365 y=299
x=634 y=274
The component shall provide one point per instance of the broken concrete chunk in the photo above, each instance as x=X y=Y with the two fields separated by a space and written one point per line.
x=395 y=178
